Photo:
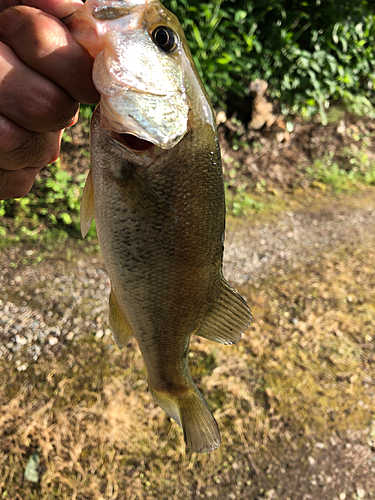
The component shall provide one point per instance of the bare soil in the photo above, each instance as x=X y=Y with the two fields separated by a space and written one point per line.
x=278 y=158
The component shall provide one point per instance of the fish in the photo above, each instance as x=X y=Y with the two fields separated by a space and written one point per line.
x=156 y=191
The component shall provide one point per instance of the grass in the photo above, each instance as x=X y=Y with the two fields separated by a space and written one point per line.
x=354 y=167
x=347 y=169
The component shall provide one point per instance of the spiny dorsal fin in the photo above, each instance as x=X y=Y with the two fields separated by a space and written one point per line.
x=87 y=206
x=228 y=319
x=121 y=330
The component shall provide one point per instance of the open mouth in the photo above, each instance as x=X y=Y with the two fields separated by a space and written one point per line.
x=132 y=142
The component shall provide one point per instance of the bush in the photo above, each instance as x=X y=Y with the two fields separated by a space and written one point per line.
x=309 y=51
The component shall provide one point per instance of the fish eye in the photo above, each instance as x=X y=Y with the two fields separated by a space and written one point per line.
x=165 y=39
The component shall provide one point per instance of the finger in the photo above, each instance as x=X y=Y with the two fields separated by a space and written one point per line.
x=16 y=183
x=20 y=148
x=31 y=100
x=46 y=45
x=57 y=8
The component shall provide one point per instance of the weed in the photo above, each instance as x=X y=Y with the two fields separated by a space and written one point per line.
x=354 y=167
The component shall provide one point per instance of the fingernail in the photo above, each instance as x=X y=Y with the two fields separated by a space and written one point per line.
x=9 y=20
x=74 y=119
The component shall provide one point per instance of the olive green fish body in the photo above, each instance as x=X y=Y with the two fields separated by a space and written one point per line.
x=165 y=270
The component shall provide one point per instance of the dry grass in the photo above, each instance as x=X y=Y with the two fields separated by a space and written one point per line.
x=298 y=376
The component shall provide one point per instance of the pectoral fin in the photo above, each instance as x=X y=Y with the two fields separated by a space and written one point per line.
x=228 y=319
x=87 y=206
x=141 y=199
x=121 y=330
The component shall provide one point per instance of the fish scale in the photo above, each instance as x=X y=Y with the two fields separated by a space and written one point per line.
x=160 y=211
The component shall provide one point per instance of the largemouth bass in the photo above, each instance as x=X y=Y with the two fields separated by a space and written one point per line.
x=156 y=191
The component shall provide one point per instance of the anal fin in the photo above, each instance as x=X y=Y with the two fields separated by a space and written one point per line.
x=87 y=206
x=228 y=319
x=121 y=330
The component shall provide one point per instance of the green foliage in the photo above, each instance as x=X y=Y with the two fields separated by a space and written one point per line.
x=53 y=203
x=358 y=168
x=85 y=111
x=309 y=52
x=239 y=202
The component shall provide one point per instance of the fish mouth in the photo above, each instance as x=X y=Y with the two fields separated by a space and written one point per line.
x=132 y=142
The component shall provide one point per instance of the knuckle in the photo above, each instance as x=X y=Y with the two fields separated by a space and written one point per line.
x=22 y=155
x=10 y=136
x=53 y=150
x=52 y=109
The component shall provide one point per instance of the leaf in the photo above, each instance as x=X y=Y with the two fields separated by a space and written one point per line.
x=335 y=38
x=31 y=469
x=248 y=40
x=197 y=36
x=315 y=66
x=257 y=45
x=225 y=59
x=239 y=15
x=289 y=126
x=66 y=218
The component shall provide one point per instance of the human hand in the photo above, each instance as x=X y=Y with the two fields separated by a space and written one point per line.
x=44 y=74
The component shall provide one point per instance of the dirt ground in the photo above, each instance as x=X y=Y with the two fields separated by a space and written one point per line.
x=294 y=400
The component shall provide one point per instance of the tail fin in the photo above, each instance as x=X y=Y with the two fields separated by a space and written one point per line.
x=191 y=412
